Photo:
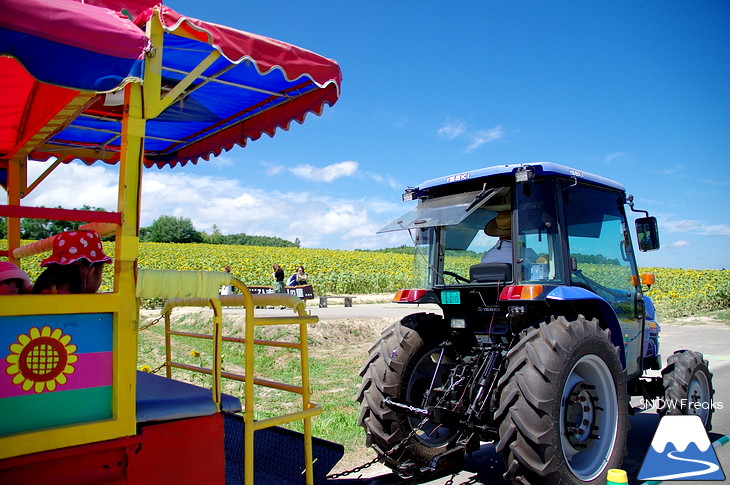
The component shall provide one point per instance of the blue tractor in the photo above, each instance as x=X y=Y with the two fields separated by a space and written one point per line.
x=544 y=336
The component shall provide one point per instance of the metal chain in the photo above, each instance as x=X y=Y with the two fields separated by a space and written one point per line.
x=380 y=456
x=153 y=322
x=354 y=470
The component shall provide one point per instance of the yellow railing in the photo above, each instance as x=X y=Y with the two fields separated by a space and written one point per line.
x=249 y=302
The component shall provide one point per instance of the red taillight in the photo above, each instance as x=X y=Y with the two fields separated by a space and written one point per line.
x=409 y=296
x=520 y=292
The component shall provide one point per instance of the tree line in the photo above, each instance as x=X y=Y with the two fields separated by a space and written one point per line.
x=165 y=229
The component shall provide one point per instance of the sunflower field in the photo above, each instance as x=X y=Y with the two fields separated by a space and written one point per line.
x=677 y=292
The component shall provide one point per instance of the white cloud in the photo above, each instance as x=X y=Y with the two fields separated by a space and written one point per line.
x=694 y=226
x=327 y=173
x=681 y=244
x=272 y=170
x=317 y=219
x=384 y=179
x=332 y=172
x=614 y=156
x=672 y=170
x=452 y=129
x=95 y=186
x=485 y=136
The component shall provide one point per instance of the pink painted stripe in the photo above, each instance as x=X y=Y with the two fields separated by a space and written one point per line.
x=91 y=370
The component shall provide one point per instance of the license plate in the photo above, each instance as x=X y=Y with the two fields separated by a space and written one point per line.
x=450 y=297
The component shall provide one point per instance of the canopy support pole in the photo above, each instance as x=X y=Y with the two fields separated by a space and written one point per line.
x=17 y=177
x=42 y=177
x=155 y=106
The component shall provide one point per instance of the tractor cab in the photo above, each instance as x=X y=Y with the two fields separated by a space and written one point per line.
x=496 y=240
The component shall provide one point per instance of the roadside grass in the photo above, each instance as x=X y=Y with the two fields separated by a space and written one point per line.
x=722 y=315
x=333 y=368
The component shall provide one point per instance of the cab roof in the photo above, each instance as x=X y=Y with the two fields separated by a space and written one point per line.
x=539 y=169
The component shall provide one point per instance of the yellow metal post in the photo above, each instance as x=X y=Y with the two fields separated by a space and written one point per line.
x=248 y=409
x=306 y=404
x=125 y=258
x=16 y=178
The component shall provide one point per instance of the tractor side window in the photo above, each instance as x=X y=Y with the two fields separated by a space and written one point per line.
x=598 y=244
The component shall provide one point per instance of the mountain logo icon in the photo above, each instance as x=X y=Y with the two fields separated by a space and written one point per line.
x=681 y=450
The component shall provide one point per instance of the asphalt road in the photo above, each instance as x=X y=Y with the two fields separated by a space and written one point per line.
x=486 y=467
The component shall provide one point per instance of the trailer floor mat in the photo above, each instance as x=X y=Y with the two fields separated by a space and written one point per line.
x=278 y=455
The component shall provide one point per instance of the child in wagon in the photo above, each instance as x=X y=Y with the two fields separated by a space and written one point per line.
x=13 y=280
x=75 y=266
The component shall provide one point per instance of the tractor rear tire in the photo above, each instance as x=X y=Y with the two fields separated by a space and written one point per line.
x=688 y=386
x=401 y=367
x=563 y=406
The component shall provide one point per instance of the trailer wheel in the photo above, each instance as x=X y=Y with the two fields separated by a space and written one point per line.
x=563 y=405
x=401 y=366
x=688 y=386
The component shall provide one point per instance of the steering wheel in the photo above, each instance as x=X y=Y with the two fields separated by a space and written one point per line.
x=456 y=276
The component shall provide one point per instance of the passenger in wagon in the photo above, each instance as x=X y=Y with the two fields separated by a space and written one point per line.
x=75 y=266
x=13 y=280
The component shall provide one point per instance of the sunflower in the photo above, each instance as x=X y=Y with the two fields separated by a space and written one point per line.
x=41 y=359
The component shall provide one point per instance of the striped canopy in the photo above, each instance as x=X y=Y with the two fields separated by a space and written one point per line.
x=56 y=50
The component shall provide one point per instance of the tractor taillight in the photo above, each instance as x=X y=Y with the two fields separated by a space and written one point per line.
x=520 y=292
x=409 y=296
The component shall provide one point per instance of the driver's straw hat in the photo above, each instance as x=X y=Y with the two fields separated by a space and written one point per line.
x=500 y=225
x=71 y=246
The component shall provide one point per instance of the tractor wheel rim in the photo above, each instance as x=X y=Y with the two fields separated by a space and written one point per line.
x=588 y=417
x=698 y=395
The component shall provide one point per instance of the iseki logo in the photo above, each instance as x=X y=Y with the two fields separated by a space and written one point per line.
x=671 y=404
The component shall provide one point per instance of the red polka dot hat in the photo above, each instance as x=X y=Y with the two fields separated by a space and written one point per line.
x=69 y=247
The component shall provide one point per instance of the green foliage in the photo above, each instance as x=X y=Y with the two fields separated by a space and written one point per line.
x=171 y=229
x=241 y=239
x=595 y=259
x=3 y=228
x=397 y=250
x=412 y=250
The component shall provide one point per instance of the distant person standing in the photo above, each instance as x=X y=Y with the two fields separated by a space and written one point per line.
x=227 y=289
x=279 y=276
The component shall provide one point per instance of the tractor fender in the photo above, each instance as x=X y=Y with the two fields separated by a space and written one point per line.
x=591 y=305
x=649 y=309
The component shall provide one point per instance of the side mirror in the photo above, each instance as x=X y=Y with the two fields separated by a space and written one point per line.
x=647 y=233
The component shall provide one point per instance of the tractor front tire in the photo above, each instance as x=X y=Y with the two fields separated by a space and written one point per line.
x=688 y=386
x=563 y=407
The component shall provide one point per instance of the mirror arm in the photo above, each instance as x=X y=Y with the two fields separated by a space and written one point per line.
x=630 y=201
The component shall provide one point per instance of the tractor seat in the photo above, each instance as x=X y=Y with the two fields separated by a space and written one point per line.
x=490 y=272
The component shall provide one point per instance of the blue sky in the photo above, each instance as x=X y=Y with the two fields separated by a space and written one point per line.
x=635 y=91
